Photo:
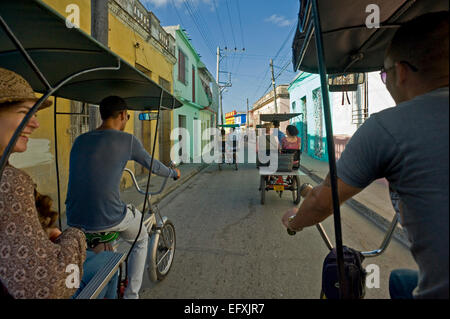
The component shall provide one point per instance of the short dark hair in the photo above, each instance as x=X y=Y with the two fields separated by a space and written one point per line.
x=292 y=130
x=276 y=123
x=112 y=106
x=422 y=42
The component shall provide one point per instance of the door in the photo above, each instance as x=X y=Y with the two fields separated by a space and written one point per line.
x=181 y=125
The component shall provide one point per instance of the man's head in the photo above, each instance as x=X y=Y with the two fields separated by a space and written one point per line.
x=113 y=109
x=276 y=124
x=416 y=61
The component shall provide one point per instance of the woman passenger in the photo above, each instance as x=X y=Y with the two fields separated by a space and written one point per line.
x=31 y=264
x=291 y=141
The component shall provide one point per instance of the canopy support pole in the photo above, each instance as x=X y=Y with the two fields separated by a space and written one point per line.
x=148 y=181
x=331 y=152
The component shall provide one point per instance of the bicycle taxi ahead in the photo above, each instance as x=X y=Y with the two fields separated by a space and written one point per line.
x=287 y=176
x=233 y=145
x=67 y=63
x=348 y=42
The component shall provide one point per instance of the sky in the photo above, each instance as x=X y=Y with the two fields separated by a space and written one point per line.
x=258 y=29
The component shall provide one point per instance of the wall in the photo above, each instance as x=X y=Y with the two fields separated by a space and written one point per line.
x=343 y=128
x=39 y=159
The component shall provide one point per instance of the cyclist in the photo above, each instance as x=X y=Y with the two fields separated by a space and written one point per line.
x=93 y=203
x=408 y=145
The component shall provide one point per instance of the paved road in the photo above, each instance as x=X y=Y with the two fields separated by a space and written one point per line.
x=230 y=246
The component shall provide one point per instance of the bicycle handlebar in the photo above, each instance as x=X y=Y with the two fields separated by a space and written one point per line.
x=370 y=253
x=136 y=185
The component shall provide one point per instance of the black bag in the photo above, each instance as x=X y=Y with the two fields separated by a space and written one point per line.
x=355 y=275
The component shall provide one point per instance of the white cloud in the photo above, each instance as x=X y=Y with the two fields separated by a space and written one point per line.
x=280 y=21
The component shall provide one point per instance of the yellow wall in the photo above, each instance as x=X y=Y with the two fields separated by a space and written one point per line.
x=44 y=172
x=121 y=40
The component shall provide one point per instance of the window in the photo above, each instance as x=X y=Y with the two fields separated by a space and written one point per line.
x=144 y=70
x=164 y=83
x=182 y=67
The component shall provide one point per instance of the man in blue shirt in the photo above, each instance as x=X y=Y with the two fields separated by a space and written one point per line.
x=408 y=145
x=93 y=203
x=280 y=135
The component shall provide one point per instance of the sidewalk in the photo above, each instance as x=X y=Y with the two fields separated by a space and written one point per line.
x=132 y=196
x=373 y=202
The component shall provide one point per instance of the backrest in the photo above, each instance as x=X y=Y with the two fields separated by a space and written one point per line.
x=291 y=151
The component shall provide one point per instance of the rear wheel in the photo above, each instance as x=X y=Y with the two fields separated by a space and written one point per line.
x=162 y=251
x=263 y=189
x=296 y=189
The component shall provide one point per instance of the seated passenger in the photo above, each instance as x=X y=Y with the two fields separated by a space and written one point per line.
x=292 y=142
x=33 y=260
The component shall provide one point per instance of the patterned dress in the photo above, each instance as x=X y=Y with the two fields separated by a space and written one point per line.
x=31 y=266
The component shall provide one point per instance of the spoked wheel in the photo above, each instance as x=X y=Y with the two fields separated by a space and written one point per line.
x=263 y=189
x=296 y=189
x=162 y=251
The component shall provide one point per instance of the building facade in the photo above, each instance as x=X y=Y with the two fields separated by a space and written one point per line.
x=136 y=36
x=348 y=111
x=196 y=88
x=266 y=105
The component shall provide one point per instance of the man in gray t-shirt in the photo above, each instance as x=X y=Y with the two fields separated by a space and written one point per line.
x=97 y=162
x=409 y=146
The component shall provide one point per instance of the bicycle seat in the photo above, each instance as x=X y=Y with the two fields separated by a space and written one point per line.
x=93 y=239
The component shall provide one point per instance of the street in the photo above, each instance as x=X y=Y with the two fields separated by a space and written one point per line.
x=231 y=246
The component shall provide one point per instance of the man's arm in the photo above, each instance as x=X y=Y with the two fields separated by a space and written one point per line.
x=318 y=204
x=140 y=155
x=369 y=155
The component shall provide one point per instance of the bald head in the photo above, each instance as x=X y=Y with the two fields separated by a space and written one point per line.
x=423 y=43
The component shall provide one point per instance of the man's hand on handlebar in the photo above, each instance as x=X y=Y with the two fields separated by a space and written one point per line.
x=178 y=174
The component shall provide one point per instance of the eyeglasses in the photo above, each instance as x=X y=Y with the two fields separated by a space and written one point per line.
x=383 y=72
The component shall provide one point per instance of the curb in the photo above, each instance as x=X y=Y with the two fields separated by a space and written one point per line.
x=156 y=199
x=377 y=219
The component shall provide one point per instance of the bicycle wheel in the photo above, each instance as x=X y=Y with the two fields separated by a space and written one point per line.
x=263 y=189
x=296 y=189
x=162 y=251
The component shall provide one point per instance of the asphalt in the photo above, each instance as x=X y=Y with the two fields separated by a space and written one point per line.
x=373 y=202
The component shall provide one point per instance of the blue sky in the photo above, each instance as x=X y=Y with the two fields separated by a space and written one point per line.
x=264 y=28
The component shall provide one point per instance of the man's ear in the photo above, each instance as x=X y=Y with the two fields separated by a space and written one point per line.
x=401 y=73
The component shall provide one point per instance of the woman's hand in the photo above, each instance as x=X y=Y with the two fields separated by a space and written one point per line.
x=53 y=233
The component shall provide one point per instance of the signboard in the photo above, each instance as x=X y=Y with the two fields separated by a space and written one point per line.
x=148 y=116
x=230 y=114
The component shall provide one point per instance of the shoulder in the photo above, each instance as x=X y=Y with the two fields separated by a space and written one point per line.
x=15 y=180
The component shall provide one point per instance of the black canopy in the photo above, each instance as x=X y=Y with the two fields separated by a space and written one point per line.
x=346 y=36
x=59 y=52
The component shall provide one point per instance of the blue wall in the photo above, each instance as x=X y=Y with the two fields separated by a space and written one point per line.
x=301 y=90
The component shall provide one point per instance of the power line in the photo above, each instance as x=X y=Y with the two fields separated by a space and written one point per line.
x=197 y=25
x=220 y=22
x=231 y=24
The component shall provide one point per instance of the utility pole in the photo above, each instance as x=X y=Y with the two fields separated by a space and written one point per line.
x=221 y=86
x=99 y=31
x=247 y=119
x=274 y=88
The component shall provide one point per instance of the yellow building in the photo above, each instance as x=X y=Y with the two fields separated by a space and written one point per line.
x=137 y=37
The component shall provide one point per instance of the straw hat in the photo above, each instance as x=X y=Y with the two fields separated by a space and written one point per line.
x=14 y=88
